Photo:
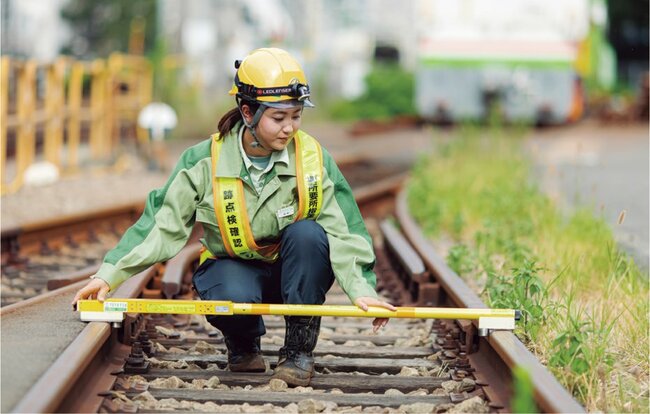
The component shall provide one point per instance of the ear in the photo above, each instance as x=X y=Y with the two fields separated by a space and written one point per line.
x=246 y=111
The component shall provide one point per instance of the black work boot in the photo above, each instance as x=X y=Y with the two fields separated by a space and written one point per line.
x=244 y=355
x=296 y=358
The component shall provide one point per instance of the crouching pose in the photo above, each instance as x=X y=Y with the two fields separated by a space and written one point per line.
x=280 y=222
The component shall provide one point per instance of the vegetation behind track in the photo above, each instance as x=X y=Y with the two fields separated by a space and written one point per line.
x=585 y=303
x=389 y=91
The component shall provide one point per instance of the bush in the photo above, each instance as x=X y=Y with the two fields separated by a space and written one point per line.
x=389 y=92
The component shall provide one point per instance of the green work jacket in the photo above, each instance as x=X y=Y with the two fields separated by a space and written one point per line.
x=171 y=211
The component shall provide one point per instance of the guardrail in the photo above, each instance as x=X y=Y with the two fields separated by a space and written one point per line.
x=49 y=109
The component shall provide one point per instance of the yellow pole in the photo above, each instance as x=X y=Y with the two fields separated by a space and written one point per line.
x=113 y=101
x=26 y=136
x=145 y=93
x=75 y=91
x=372 y=312
x=136 y=35
x=207 y=307
x=99 y=146
x=54 y=107
x=146 y=83
x=4 y=111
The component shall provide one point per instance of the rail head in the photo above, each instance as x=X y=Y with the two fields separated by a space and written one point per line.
x=62 y=221
x=378 y=189
x=56 y=383
x=67 y=279
x=48 y=393
x=39 y=299
x=177 y=268
x=397 y=244
x=454 y=286
x=550 y=396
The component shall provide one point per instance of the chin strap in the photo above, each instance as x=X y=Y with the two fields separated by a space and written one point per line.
x=251 y=127
x=256 y=143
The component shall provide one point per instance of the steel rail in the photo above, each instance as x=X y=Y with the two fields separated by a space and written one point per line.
x=48 y=393
x=70 y=371
x=30 y=237
x=64 y=221
x=550 y=395
x=176 y=269
x=88 y=350
x=381 y=188
x=73 y=277
x=36 y=300
x=85 y=365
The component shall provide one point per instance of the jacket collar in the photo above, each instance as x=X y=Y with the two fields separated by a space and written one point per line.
x=275 y=157
x=231 y=163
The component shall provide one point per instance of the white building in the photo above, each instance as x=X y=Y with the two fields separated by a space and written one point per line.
x=334 y=39
x=33 y=28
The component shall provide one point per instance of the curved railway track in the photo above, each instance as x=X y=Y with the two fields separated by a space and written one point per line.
x=162 y=363
x=47 y=255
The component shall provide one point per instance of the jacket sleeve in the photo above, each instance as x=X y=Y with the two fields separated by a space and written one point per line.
x=351 y=251
x=160 y=233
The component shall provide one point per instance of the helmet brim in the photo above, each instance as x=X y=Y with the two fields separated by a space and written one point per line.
x=289 y=104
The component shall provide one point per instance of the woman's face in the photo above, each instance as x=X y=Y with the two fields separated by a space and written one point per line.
x=278 y=126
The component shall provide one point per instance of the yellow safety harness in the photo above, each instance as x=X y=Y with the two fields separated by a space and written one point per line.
x=230 y=204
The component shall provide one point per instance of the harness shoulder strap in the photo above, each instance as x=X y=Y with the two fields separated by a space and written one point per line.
x=309 y=176
x=232 y=217
x=230 y=203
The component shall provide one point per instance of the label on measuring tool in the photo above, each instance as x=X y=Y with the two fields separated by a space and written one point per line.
x=221 y=309
x=115 y=306
x=171 y=308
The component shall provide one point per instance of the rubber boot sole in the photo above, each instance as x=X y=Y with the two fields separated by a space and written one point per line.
x=292 y=380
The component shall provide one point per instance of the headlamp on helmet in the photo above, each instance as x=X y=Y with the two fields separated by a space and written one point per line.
x=294 y=92
x=271 y=77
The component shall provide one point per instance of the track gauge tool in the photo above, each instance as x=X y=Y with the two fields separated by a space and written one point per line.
x=113 y=310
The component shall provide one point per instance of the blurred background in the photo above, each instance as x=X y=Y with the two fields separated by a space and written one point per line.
x=77 y=74
x=532 y=61
x=523 y=125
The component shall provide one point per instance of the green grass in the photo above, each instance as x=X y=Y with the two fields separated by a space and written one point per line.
x=585 y=303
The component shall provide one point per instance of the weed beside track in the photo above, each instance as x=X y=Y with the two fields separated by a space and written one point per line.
x=585 y=302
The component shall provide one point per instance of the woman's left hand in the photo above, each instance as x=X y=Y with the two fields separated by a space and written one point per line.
x=364 y=301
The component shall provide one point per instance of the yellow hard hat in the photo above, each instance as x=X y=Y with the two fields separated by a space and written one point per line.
x=272 y=77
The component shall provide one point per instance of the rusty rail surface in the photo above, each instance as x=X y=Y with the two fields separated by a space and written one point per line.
x=31 y=236
x=70 y=278
x=49 y=254
x=500 y=352
x=84 y=367
x=417 y=276
x=175 y=274
x=38 y=255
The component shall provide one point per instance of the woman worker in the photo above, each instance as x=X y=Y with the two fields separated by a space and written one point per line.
x=280 y=222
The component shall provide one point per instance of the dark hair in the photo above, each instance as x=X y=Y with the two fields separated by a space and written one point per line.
x=230 y=118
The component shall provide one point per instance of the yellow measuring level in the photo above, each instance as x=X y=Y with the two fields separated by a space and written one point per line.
x=210 y=307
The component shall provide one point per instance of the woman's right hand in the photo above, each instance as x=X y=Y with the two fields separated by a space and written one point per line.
x=95 y=289
x=364 y=301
